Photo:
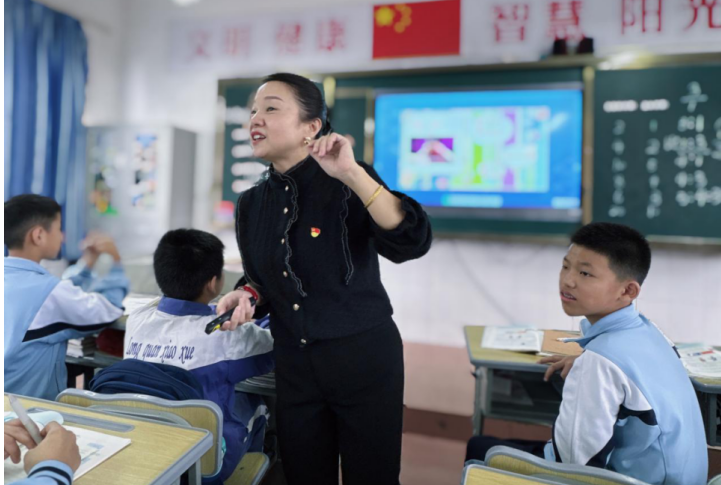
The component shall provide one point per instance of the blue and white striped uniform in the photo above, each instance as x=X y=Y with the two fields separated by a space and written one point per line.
x=43 y=312
x=629 y=406
x=172 y=332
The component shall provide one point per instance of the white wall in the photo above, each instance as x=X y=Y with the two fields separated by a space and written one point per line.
x=459 y=282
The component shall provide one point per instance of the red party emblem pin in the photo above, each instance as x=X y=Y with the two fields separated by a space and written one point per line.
x=314 y=232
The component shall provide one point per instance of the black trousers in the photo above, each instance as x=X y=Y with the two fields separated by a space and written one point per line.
x=342 y=399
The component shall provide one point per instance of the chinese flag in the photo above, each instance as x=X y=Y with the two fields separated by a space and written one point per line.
x=417 y=29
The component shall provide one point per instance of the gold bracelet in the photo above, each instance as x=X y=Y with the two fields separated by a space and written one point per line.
x=373 y=197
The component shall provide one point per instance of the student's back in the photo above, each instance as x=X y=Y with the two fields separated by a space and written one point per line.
x=172 y=332
x=188 y=267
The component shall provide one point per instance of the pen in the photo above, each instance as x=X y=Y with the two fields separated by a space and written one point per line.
x=28 y=423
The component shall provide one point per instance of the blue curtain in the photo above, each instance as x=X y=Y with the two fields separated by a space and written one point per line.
x=45 y=73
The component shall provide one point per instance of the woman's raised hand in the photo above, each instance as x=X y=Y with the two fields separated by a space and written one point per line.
x=335 y=156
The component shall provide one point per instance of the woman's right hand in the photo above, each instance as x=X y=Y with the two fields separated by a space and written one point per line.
x=240 y=299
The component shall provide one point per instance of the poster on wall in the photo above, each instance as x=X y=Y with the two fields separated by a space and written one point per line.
x=104 y=174
x=144 y=163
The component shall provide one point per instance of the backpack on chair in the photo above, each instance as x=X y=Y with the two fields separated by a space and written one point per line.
x=140 y=377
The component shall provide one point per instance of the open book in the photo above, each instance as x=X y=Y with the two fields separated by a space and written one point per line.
x=526 y=339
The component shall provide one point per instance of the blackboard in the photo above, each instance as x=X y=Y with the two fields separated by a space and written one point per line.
x=657 y=150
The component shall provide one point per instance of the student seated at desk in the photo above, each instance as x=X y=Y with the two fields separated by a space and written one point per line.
x=188 y=268
x=43 y=312
x=628 y=404
x=52 y=462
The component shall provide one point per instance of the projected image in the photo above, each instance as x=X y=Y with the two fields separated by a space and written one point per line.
x=497 y=149
x=483 y=149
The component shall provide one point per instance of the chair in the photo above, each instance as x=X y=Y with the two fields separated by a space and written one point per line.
x=522 y=463
x=193 y=413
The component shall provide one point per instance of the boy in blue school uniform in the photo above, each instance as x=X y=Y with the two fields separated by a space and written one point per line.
x=188 y=268
x=628 y=404
x=43 y=312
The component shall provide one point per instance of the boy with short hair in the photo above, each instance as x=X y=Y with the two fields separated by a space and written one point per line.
x=188 y=268
x=43 y=312
x=628 y=404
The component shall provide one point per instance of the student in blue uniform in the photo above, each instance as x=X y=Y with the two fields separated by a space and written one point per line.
x=188 y=267
x=52 y=462
x=628 y=404
x=43 y=312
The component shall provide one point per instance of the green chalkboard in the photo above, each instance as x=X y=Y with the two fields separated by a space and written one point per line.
x=657 y=150
x=240 y=168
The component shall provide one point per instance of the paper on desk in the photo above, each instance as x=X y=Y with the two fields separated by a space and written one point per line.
x=94 y=448
x=701 y=360
x=519 y=339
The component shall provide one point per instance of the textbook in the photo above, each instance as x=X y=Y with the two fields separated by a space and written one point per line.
x=527 y=339
x=700 y=360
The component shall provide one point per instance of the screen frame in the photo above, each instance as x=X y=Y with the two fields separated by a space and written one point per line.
x=574 y=215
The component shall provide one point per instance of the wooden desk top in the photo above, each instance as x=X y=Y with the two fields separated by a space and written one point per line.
x=506 y=359
x=481 y=475
x=708 y=384
x=498 y=358
x=155 y=448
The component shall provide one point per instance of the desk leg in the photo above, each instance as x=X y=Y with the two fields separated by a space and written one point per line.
x=478 y=399
x=194 y=477
x=712 y=431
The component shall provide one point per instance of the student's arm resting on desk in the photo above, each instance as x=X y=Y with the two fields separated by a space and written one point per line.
x=69 y=312
x=595 y=393
x=50 y=472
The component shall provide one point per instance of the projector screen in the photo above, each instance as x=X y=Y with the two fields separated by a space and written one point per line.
x=513 y=154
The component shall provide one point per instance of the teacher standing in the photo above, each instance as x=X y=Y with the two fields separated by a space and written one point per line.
x=309 y=236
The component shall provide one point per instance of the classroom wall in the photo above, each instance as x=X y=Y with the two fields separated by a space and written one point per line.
x=460 y=282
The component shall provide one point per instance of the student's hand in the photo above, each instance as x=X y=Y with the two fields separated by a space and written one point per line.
x=58 y=444
x=96 y=244
x=105 y=244
x=558 y=362
x=16 y=433
x=243 y=313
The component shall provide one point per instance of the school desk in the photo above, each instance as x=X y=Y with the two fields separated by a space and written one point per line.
x=158 y=454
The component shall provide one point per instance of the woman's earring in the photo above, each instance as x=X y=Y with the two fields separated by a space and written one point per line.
x=306 y=141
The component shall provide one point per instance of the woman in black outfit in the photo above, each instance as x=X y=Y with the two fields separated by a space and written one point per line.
x=309 y=235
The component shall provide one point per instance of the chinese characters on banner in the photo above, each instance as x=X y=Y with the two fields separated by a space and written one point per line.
x=341 y=39
x=310 y=40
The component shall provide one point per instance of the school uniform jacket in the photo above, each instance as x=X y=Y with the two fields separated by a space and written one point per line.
x=43 y=312
x=629 y=406
x=172 y=332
